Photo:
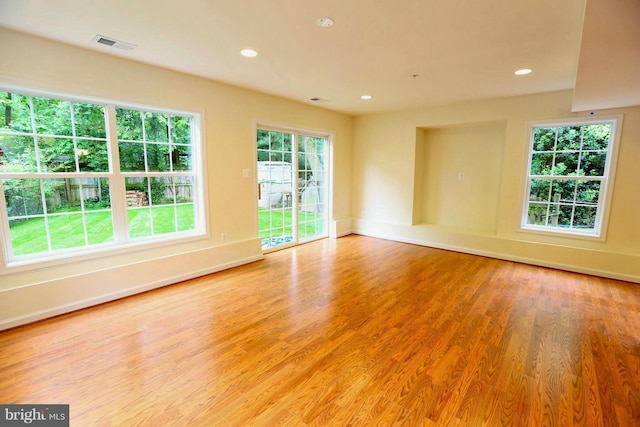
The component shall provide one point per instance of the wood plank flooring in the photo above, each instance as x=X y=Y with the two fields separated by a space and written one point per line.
x=349 y=332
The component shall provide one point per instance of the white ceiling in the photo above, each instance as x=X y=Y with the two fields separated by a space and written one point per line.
x=458 y=49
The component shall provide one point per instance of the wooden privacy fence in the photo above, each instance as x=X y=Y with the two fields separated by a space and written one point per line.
x=91 y=190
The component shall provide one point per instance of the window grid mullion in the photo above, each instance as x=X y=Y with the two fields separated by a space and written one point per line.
x=117 y=185
x=555 y=153
x=144 y=143
x=76 y=161
x=43 y=199
x=151 y=221
x=170 y=143
x=45 y=214
x=34 y=134
x=83 y=212
x=175 y=203
x=81 y=184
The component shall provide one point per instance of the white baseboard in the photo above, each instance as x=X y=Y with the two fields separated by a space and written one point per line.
x=385 y=231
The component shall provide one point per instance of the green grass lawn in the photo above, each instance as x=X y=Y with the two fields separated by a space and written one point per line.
x=67 y=231
x=278 y=223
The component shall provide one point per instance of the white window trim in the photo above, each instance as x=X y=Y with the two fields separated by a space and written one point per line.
x=61 y=257
x=606 y=190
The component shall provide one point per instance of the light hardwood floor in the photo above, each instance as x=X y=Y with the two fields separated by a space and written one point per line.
x=355 y=331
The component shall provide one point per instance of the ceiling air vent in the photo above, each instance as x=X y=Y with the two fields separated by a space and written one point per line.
x=111 y=42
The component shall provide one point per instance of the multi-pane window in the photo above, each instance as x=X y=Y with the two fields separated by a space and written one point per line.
x=68 y=181
x=568 y=177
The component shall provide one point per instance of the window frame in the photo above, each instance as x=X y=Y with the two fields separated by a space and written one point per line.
x=121 y=243
x=607 y=180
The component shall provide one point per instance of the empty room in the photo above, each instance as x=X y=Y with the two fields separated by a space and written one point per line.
x=320 y=213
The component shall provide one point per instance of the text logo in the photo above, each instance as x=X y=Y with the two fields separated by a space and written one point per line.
x=34 y=415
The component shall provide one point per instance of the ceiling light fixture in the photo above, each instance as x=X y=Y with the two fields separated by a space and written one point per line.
x=249 y=53
x=325 y=22
x=366 y=97
x=523 y=71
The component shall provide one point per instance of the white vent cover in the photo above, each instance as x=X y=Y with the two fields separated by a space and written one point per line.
x=111 y=42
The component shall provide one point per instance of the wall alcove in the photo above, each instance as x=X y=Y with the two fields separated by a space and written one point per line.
x=458 y=175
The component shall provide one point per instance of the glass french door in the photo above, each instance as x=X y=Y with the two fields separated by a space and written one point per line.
x=292 y=187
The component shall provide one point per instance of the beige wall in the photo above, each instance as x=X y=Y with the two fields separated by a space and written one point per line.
x=230 y=116
x=406 y=184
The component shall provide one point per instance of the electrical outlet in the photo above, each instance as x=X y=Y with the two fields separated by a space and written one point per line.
x=223 y=237
x=461 y=176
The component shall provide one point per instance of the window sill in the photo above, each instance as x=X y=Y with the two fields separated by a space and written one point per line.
x=107 y=250
x=540 y=231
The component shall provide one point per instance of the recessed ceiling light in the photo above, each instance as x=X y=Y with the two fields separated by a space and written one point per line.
x=366 y=97
x=325 y=22
x=249 y=53
x=523 y=71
